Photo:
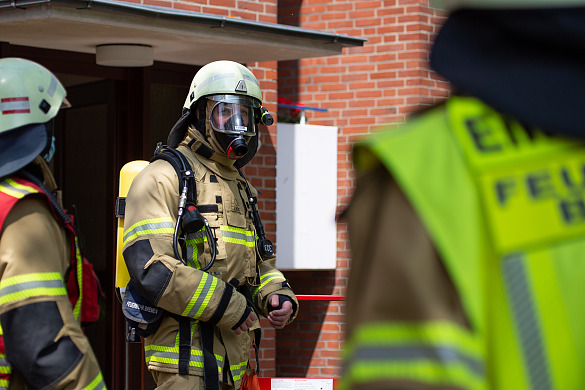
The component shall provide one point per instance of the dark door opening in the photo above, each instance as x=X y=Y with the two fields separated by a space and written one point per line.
x=117 y=115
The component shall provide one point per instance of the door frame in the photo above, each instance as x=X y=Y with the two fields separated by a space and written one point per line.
x=131 y=137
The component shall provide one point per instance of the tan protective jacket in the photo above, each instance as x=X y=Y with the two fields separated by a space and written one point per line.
x=34 y=257
x=184 y=290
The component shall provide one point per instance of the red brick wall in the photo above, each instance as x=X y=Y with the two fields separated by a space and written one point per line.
x=258 y=10
x=362 y=89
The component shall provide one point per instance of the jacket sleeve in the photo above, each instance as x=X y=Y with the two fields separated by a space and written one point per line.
x=272 y=281
x=43 y=342
x=161 y=278
x=405 y=323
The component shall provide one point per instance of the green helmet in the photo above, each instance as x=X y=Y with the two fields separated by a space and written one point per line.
x=450 y=5
x=224 y=78
x=30 y=96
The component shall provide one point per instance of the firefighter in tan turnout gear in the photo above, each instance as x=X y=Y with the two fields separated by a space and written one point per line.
x=42 y=345
x=203 y=340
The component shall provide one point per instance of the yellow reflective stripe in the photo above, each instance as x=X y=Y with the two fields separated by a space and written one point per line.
x=31 y=285
x=5 y=367
x=149 y=226
x=437 y=353
x=254 y=291
x=16 y=190
x=192 y=252
x=238 y=370
x=271 y=276
x=170 y=355
x=265 y=279
x=238 y=236
x=79 y=265
x=201 y=297
x=96 y=384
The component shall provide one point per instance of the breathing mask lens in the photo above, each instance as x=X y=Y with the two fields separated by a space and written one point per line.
x=233 y=118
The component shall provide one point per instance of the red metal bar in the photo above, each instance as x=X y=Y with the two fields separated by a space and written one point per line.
x=320 y=297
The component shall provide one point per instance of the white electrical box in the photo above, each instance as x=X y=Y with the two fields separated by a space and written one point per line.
x=306 y=196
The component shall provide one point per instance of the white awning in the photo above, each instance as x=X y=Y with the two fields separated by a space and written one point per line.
x=177 y=36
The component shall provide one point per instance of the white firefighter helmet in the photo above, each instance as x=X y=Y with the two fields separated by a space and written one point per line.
x=224 y=78
x=30 y=97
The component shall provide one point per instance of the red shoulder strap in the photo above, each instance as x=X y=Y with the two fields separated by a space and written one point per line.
x=13 y=189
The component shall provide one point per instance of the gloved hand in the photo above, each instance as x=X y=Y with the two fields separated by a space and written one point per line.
x=280 y=308
x=247 y=323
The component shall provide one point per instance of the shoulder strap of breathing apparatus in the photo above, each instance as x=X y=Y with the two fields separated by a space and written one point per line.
x=189 y=219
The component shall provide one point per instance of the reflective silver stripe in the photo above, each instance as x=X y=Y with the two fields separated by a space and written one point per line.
x=14 y=189
x=201 y=297
x=216 y=77
x=238 y=236
x=168 y=356
x=172 y=356
x=252 y=79
x=238 y=370
x=402 y=353
x=265 y=279
x=192 y=253
x=29 y=286
x=149 y=227
x=52 y=87
x=197 y=237
x=526 y=321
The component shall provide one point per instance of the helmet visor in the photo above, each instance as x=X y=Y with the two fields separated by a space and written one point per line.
x=233 y=115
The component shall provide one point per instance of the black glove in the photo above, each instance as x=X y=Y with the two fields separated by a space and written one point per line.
x=281 y=299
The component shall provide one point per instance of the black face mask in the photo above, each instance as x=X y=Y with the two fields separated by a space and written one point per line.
x=234 y=146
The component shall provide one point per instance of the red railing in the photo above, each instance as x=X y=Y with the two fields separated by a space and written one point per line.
x=320 y=297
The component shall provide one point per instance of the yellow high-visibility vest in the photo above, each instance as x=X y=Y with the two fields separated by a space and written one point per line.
x=505 y=208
